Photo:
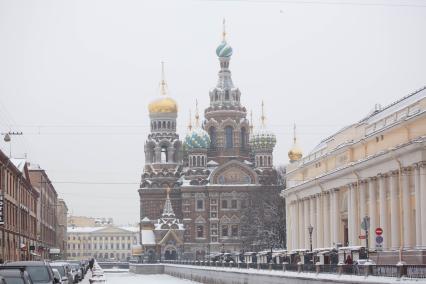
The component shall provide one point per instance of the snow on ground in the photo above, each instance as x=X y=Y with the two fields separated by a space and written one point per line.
x=130 y=278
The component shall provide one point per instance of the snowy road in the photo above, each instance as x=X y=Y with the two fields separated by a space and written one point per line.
x=130 y=278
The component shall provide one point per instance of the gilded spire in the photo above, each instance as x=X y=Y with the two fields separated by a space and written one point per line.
x=224 y=30
x=294 y=133
x=163 y=84
x=262 y=118
x=251 y=121
x=295 y=153
x=197 y=116
x=190 y=121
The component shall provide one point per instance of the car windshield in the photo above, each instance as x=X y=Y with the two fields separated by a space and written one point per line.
x=38 y=273
x=14 y=280
x=60 y=269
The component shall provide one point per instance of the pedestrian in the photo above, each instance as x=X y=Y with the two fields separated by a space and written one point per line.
x=91 y=262
x=349 y=260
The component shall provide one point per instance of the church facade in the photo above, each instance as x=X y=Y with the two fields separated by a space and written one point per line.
x=207 y=177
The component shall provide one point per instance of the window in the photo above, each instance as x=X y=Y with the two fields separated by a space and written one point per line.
x=243 y=138
x=234 y=204
x=243 y=204
x=163 y=154
x=234 y=230
x=200 y=231
x=224 y=230
x=224 y=204
x=229 y=132
x=227 y=95
x=128 y=246
x=212 y=133
x=200 y=204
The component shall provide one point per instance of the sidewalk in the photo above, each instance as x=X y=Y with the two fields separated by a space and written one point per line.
x=86 y=278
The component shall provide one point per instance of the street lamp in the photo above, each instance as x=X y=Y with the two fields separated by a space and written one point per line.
x=310 y=230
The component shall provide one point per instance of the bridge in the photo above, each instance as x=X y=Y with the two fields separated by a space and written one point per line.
x=113 y=265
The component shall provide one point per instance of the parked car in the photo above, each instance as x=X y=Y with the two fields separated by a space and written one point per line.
x=68 y=271
x=40 y=272
x=57 y=275
x=77 y=269
x=14 y=275
x=63 y=271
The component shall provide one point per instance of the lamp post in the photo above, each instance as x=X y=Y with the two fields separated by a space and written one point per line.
x=310 y=230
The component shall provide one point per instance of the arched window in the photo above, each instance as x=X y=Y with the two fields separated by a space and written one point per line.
x=200 y=231
x=164 y=124
x=168 y=124
x=154 y=125
x=212 y=133
x=261 y=161
x=229 y=132
x=203 y=162
x=198 y=161
x=269 y=161
x=243 y=138
x=257 y=161
x=193 y=161
x=216 y=97
x=227 y=95
x=164 y=154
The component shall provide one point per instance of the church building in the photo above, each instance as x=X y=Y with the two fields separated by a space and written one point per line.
x=204 y=180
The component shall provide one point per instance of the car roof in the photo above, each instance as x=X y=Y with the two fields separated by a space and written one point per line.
x=59 y=263
x=10 y=272
x=27 y=263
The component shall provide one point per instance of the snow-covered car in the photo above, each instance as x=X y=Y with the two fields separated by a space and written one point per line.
x=62 y=269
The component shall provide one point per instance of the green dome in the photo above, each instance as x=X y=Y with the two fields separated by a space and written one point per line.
x=197 y=139
x=263 y=139
x=224 y=50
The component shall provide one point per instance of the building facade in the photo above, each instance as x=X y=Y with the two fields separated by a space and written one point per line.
x=18 y=236
x=61 y=227
x=211 y=173
x=376 y=168
x=102 y=243
x=46 y=210
x=84 y=221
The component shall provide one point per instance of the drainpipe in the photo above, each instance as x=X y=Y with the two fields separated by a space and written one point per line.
x=401 y=235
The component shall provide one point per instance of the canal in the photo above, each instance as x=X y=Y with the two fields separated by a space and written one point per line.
x=130 y=278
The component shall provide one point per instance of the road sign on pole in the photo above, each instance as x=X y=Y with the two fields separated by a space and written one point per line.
x=379 y=231
x=361 y=237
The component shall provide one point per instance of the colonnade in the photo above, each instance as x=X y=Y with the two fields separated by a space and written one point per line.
x=393 y=201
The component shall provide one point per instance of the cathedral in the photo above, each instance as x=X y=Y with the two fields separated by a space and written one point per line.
x=194 y=191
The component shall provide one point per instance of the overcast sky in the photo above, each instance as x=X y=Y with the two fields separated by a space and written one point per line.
x=76 y=77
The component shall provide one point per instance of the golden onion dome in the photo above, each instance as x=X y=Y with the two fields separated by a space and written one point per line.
x=295 y=153
x=163 y=104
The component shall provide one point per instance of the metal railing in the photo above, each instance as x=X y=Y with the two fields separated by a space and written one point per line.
x=409 y=271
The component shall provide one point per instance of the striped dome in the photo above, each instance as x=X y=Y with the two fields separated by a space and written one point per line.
x=197 y=139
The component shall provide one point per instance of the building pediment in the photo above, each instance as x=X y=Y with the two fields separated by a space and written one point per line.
x=113 y=230
x=233 y=172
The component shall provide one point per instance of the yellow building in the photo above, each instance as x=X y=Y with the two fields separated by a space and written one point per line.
x=375 y=167
x=102 y=243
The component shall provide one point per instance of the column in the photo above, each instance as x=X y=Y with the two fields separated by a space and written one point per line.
x=372 y=210
x=291 y=225
x=170 y=154
x=157 y=150
x=312 y=220
x=336 y=216
x=319 y=221
x=296 y=224
x=384 y=211
x=417 y=192
x=306 y=222
x=326 y=218
x=395 y=212
x=407 y=228
x=300 y=224
x=362 y=200
x=353 y=216
x=350 y=219
x=423 y=200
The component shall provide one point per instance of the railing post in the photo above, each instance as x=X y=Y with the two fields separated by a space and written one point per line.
x=258 y=265
x=248 y=265
x=401 y=269
x=270 y=266
x=284 y=268
x=339 y=268
x=317 y=267
x=299 y=267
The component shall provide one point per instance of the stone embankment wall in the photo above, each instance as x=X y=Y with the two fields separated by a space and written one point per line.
x=213 y=275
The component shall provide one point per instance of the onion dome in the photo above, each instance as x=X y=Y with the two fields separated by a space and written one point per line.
x=263 y=138
x=224 y=50
x=164 y=104
x=197 y=138
x=295 y=153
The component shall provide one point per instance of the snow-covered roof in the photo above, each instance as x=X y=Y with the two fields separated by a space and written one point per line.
x=148 y=237
x=19 y=163
x=83 y=229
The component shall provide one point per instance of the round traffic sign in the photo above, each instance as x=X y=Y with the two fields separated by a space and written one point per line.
x=379 y=239
x=379 y=231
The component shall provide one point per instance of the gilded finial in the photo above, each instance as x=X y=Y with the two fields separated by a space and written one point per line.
x=251 y=121
x=262 y=118
x=224 y=30
x=163 y=84
x=295 y=153
x=168 y=192
x=294 y=133
x=190 y=121
x=197 y=116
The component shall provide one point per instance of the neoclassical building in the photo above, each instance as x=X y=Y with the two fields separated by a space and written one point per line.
x=375 y=167
x=211 y=173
